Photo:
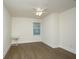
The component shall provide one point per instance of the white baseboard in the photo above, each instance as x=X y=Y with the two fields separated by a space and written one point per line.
x=50 y=45
x=5 y=52
x=24 y=42
x=70 y=50
x=46 y=44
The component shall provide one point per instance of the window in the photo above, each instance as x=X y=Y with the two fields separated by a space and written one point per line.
x=36 y=28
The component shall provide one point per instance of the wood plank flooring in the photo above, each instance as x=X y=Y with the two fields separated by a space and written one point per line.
x=37 y=50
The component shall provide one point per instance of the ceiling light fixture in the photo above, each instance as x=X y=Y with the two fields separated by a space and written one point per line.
x=39 y=11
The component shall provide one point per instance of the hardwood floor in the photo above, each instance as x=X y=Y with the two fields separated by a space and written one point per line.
x=38 y=51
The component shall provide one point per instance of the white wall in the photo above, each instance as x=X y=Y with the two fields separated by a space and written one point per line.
x=50 y=30
x=6 y=31
x=59 y=30
x=22 y=29
x=67 y=25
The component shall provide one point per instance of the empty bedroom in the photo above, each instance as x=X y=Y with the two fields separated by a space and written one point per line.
x=39 y=29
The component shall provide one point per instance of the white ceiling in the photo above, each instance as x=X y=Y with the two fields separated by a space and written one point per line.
x=24 y=8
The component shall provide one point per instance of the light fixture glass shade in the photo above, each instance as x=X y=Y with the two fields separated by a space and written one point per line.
x=39 y=13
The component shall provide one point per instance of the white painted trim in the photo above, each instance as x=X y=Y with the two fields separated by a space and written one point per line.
x=72 y=51
x=6 y=51
x=50 y=45
x=25 y=42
